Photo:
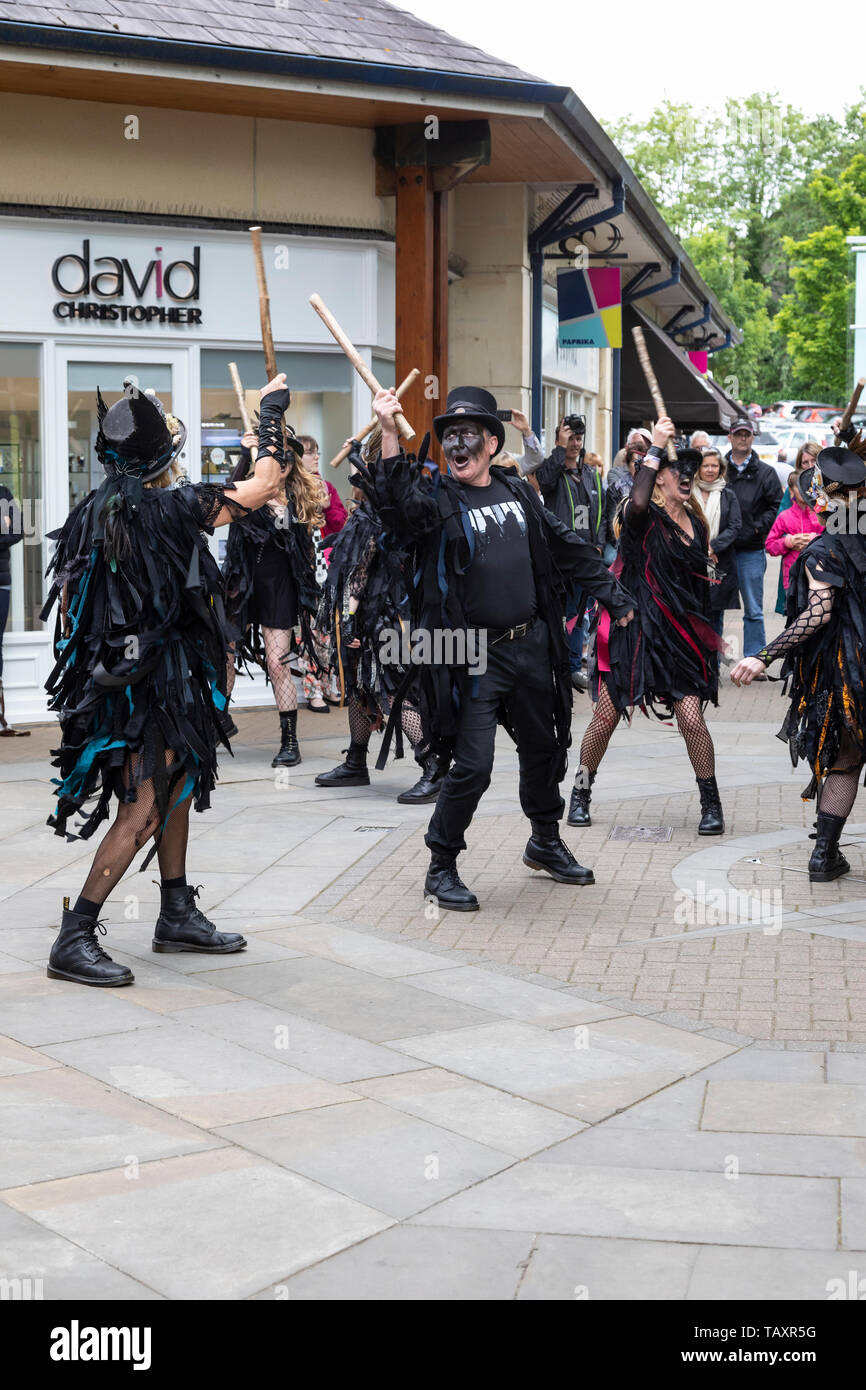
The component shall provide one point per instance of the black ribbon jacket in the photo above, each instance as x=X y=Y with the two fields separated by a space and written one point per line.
x=431 y=511
x=825 y=654
x=141 y=649
x=671 y=649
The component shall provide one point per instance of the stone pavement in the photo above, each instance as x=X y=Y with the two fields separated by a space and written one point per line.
x=619 y=1092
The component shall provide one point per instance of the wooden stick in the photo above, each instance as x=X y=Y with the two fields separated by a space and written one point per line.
x=264 y=304
x=658 y=403
x=242 y=405
x=852 y=404
x=239 y=392
x=368 y=429
x=356 y=360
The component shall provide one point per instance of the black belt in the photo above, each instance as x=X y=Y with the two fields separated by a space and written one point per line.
x=506 y=634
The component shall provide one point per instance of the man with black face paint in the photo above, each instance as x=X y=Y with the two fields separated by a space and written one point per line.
x=492 y=564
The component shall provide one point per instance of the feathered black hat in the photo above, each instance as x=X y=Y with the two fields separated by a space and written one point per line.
x=836 y=472
x=136 y=437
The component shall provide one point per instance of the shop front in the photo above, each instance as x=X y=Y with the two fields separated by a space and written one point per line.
x=87 y=305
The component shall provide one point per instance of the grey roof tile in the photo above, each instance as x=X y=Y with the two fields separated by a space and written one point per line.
x=353 y=30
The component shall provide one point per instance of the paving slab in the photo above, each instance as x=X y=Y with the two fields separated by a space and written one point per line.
x=555 y=1068
x=55 y=1269
x=570 y=1268
x=16 y=1059
x=388 y=1160
x=489 y=1116
x=196 y=1076
x=853 y=1206
x=192 y=1228
x=311 y=1047
x=729 y=1154
x=37 y=1011
x=762 y=1107
x=723 y=1273
x=388 y=959
x=411 y=1263
x=635 y=1203
x=348 y=999
x=58 y=1122
x=486 y=989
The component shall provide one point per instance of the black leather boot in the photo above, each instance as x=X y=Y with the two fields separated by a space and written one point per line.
x=443 y=883
x=712 y=820
x=428 y=786
x=545 y=850
x=77 y=955
x=826 y=862
x=352 y=773
x=578 y=807
x=181 y=927
x=289 y=754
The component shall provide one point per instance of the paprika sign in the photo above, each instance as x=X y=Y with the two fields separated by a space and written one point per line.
x=93 y=288
x=590 y=308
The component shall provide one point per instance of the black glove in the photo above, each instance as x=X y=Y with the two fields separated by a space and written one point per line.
x=275 y=402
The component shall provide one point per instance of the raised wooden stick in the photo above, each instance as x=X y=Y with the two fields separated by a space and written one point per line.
x=356 y=360
x=264 y=304
x=242 y=405
x=659 y=405
x=368 y=429
x=852 y=404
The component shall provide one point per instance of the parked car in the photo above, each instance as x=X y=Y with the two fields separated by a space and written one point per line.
x=786 y=409
x=817 y=414
x=791 y=440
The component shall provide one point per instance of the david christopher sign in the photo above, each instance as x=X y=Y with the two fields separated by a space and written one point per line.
x=73 y=276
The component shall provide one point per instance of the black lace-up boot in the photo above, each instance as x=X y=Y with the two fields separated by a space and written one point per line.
x=712 y=820
x=444 y=884
x=545 y=850
x=827 y=862
x=289 y=754
x=181 y=927
x=578 y=808
x=77 y=955
x=352 y=773
x=428 y=786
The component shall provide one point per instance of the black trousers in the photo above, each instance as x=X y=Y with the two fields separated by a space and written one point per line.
x=520 y=673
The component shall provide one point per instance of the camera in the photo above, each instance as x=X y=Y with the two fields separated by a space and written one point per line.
x=575 y=423
x=504 y=415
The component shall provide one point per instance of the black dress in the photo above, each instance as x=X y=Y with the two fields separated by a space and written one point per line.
x=670 y=650
x=825 y=664
x=140 y=670
x=270 y=579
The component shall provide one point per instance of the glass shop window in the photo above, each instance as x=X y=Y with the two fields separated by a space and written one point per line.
x=21 y=477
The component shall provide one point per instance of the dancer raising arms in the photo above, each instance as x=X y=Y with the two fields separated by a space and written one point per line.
x=270 y=579
x=824 y=651
x=141 y=650
x=669 y=655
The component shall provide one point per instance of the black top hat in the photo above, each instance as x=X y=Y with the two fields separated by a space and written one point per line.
x=135 y=436
x=687 y=463
x=471 y=403
x=842 y=467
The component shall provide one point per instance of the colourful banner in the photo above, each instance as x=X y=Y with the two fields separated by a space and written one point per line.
x=590 y=308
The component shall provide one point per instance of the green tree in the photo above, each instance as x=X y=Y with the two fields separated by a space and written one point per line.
x=750 y=370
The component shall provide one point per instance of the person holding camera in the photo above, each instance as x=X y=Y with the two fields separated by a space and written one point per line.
x=574 y=493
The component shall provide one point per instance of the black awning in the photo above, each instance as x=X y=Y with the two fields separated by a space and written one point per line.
x=693 y=401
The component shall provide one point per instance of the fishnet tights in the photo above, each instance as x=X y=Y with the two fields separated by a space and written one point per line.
x=690 y=722
x=361 y=725
x=134 y=824
x=841 y=784
x=277 y=647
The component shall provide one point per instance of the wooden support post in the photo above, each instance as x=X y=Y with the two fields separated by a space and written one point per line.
x=440 y=308
x=415 y=292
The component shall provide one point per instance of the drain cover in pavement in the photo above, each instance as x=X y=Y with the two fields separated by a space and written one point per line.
x=641 y=832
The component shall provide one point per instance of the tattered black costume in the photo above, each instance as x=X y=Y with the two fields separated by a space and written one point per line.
x=666 y=661
x=139 y=677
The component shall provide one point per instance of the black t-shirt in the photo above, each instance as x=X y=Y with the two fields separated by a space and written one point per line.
x=500 y=585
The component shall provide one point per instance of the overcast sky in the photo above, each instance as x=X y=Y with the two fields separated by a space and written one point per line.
x=625 y=57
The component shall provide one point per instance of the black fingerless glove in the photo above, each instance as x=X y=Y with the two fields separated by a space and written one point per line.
x=271 y=421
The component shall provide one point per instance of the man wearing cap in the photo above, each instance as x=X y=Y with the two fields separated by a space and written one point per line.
x=759 y=493
x=493 y=563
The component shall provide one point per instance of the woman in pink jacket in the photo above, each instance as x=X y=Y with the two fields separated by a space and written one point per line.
x=793 y=529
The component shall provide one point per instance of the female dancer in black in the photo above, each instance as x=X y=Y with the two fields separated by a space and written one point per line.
x=270 y=577
x=824 y=651
x=365 y=611
x=667 y=660
x=138 y=685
